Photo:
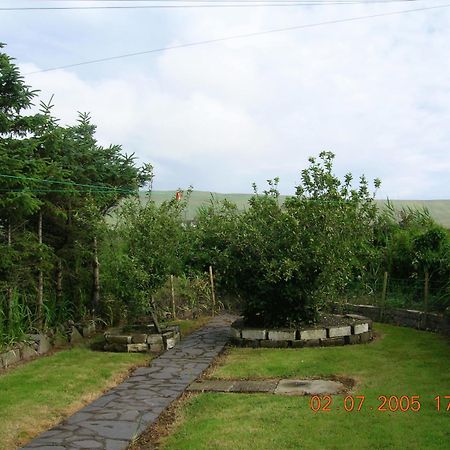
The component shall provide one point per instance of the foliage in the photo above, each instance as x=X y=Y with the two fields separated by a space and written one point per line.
x=288 y=261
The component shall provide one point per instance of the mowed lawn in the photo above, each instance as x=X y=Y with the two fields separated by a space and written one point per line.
x=39 y=394
x=401 y=362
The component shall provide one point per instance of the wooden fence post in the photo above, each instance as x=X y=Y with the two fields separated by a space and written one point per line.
x=213 y=295
x=383 y=295
x=426 y=289
x=174 y=312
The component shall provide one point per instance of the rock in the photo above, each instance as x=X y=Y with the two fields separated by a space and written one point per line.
x=139 y=338
x=115 y=347
x=88 y=329
x=75 y=336
x=131 y=348
x=28 y=352
x=117 y=338
x=10 y=357
x=44 y=345
x=353 y=339
x=330 y=342
x=156 y=348
x=154 y=339
x=170 y=342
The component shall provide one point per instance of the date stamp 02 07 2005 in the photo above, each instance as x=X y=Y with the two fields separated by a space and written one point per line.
x=391 y=403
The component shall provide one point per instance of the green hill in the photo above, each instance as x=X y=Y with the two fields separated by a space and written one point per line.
x=439 y=209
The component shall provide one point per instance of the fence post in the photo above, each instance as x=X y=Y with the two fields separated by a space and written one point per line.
x=426 y=289
x=383 y=295
x=174 y=312
x=213 y=295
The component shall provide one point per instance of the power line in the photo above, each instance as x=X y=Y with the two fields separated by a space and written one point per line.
x=210 y=4
x=65 y=183
x=242 y=36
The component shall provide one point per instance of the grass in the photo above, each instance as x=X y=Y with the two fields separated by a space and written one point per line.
x=39 y=394
x=402 y=362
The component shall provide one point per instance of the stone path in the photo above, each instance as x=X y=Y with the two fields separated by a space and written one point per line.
x=124 y=412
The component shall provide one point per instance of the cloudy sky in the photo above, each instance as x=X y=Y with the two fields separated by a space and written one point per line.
x=376 y=91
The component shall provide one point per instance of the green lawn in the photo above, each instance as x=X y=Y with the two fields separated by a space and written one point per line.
x=402 y=362
x=39 y=394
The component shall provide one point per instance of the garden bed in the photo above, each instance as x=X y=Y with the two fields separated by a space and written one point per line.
x=332 y=330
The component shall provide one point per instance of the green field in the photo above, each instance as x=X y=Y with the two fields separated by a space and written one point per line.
x=439 y=209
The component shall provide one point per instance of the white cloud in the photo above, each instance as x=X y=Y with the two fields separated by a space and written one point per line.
x=221 y=116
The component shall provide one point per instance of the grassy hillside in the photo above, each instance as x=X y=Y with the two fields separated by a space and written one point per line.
x=439 y=209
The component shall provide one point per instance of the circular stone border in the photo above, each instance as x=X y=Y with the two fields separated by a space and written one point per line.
x=358 y=330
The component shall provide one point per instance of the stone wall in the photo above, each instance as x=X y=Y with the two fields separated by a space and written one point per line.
x=36 y=345
x=403 y=317
x=356 y=330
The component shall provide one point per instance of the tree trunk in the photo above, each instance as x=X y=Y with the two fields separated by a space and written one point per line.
x=96 y=278
x=40 y=289
x=9 y=290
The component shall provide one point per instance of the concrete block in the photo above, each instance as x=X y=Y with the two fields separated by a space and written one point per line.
x=235 y=333
x=155 y=339
x=360 y=328
x=132 y=348
x=115 y=347
x=139 y=338
x=366 y=337
x=273 y=344
x=279 y=335
x=117 y=339
x=353 y=339
x=252 y=333
x=331 y=342
x=311 y=343
x=156 y=348
x=313 y=334
x=339 y=331
x=170 y=342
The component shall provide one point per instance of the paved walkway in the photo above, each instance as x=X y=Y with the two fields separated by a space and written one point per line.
x=124 y=412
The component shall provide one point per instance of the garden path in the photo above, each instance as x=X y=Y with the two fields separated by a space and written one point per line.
x=124 y=412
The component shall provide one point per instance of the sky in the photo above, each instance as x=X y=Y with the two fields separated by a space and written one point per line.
x=376 y=92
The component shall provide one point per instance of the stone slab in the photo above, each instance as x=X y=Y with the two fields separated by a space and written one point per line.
x=274 y=344
x=211 y=386
x=309 y=387
x=317 y=333
x=253 y=334
x=133 y=348
x=280 y=335
x=254 y=386
x=339 y=331
x=139 y=338
x=360 y=328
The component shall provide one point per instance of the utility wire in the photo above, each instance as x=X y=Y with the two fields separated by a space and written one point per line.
x=65 y=183
x=243 y=36
x=209 y=4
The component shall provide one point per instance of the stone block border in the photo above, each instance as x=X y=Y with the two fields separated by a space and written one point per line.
x=142 y=342
x=356 y=330
x=419 y=320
